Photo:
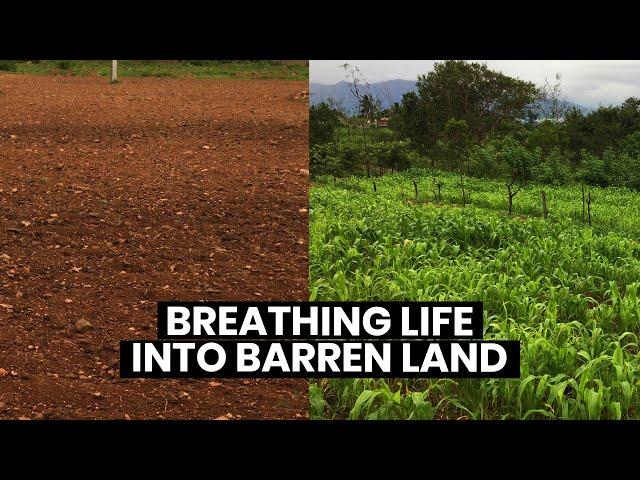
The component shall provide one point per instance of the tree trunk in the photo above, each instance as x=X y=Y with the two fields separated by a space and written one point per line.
x=510 y=196
x=545 y=212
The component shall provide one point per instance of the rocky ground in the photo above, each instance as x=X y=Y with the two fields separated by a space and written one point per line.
x=113 y=197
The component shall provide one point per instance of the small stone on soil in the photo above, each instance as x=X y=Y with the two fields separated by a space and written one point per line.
x=82 y=326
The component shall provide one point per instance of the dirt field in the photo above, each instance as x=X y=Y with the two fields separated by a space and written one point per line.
x=113 y=197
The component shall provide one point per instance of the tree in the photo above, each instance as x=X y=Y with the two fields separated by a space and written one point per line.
x=629 y=162
x=516 y=163
x=323 y=121
x=605 y=127
x=553 y=105
x=483 y=160
x=394 y=155
x=366 y=102
x=592 y=170
x=455 y=143
x=410 y=119
x=483 y=98
x=323 y=160
x=369 y=107
x=553 y=170
x=547 y=135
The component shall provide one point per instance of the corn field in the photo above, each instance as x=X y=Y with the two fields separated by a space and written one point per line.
x=568 y=291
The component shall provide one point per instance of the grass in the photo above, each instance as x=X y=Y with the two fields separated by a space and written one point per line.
x=216 y=69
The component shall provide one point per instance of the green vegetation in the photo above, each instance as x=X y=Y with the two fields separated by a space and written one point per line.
x=484 y=187
x=261 y=69
x=467 y=118
x=567 y=291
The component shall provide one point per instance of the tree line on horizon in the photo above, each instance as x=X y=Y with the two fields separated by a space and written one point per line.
x=467 y=118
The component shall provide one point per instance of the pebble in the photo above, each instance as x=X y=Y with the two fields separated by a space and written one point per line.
x=171 y=398
x=83 y=325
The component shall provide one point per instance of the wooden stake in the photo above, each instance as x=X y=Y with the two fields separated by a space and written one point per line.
x=114 y=71
x=583 y=203
x=415 y=187
x=589 y=207
x=374 y=187
x=545 y=212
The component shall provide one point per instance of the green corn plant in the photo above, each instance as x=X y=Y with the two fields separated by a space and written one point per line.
x=568 y=293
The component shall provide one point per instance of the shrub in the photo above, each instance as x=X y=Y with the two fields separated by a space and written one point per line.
x=554 y=170
x=394 y=155
x=483 y=161
x=8 y=65
x=323 y=121
x=63 y=65
x=323 y=160
x=592 y=170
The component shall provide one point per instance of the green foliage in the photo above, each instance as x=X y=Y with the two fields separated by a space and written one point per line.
x=63 y=65
x=516 y=161
x=484 y=161
x=393 y=155
x=467 y=91
x=369 y=107
x=455 y=142
x=622 y=167
x=464 y=115
x=554 y=169
x=629 y=161
x=569 y=293
x=546 y=136
x=8 y=65
x=323 y=121
x=630 y=145
x=605 y=127
x=333 y=160
x=324 y=160
x=592 y=171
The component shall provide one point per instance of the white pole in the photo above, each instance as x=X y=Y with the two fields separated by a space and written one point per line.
x=114 y=71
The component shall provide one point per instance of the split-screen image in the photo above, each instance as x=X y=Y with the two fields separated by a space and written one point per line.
x=124 y=183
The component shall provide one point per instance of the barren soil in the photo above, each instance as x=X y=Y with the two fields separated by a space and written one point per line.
x=113 y=197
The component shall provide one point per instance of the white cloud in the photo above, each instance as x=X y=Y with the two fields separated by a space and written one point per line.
x=587 y=82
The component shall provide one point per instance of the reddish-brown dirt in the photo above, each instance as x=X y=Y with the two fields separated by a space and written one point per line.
x=113 y=197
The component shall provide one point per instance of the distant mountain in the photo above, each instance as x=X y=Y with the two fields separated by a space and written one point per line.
x=388 y=92
x=545 y=106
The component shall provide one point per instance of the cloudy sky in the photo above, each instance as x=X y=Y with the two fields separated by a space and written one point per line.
x=586 y=82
